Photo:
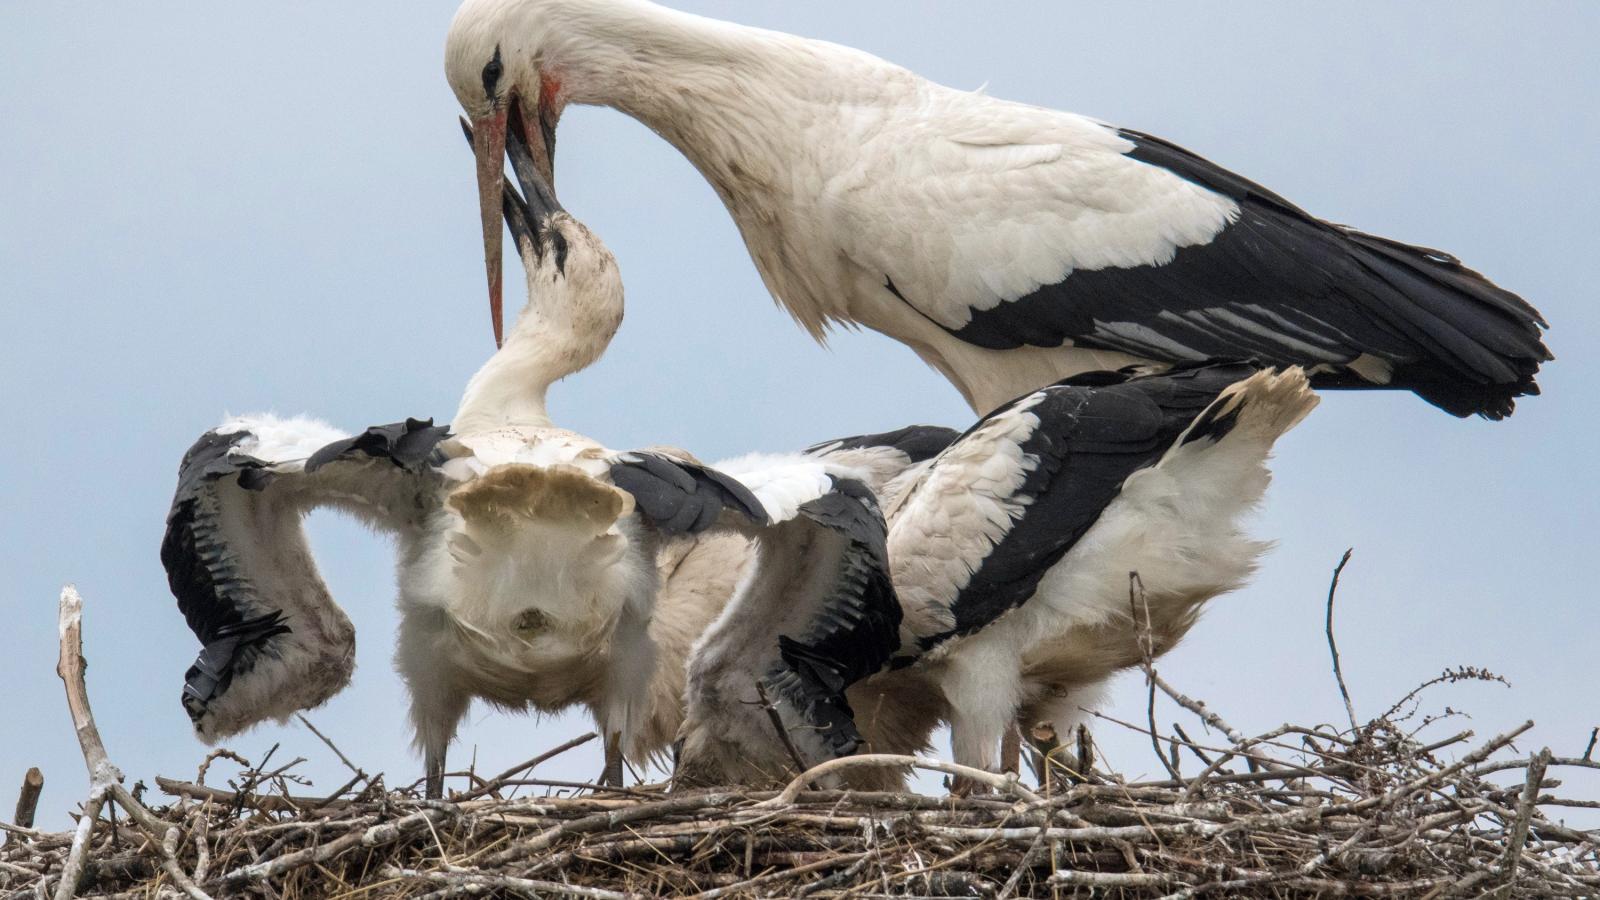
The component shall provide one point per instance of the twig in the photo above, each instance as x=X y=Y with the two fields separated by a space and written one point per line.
x=104 y=778
x=1008 y=783
x=1206 y=714
x=1525 y=810
x=28 y=799
x=102 y=774
x=1333 y=648
x=778 y=726
x=522 y=886
x=500 y=780
x=1147 y=652
x=356 y=770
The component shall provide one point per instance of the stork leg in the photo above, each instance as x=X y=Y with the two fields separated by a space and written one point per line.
x=1011 y=750
x=612 y=776
x=434 y=761
x=1046 y=759
x=982 y=688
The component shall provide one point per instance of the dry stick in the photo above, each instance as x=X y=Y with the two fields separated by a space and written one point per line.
x=777 y=725
x=1189 y=742
x=781 y=875
x=258 y=802
x=102 y=774
x=1333 y=648
x=105 y=779
x=1146 y=651
x=1525 y=810
x=581 y=786
x=1199 y=708
x=360 y=775
x=1008 y=783
x=500 y=780
x=28 y=799
x=466 y=880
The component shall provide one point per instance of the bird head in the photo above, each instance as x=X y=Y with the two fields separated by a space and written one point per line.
x=497 y=75
x=575 y=297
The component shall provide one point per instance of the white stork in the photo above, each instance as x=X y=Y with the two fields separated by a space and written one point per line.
x=1008 y=245
x=528 y=554
x=1010 y=552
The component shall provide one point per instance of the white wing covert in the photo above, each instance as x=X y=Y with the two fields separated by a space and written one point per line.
x=1010 y=226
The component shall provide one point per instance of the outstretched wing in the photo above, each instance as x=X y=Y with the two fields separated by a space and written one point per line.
x=1011 y=226
x=1015 y=493
x=273 y=640
x=853 y=627
x=815 y=613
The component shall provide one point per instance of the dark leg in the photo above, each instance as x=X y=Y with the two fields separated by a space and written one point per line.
x=1011 y=750
x=435 y=765
x=1047 y=767
x=612 y=776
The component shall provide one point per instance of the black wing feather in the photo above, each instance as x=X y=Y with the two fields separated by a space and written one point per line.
x=680 y=497
x=917 y=442
x=857 y=629
x=1289 y=289
x=412 y=445
x=215 y=596
x=1093 y=433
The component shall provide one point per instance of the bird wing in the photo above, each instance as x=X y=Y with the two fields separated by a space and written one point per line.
x=1013 y=495
x=274 y=641
x=814 y=613
x=679 y=496
x=1010 y=226
x=883 y=460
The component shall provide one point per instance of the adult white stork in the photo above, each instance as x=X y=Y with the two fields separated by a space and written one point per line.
x=1010 y=552
x=1008 y=245
x=527 y=553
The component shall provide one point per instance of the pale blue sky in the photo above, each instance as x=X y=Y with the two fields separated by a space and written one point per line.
x=230 y=207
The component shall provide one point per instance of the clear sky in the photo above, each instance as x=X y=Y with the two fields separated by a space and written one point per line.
x=234 y=208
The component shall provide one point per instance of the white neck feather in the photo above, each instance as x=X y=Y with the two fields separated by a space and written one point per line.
x=729 y=97
x=567 y=324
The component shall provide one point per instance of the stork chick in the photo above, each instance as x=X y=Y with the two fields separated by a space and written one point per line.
x=1011 y=553
x=527 y=552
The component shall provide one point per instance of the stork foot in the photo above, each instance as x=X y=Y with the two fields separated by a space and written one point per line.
x=962 y=786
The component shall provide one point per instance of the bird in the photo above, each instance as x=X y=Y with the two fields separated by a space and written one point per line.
x=1008 y=245
x=1061 y=539
x=528 y=554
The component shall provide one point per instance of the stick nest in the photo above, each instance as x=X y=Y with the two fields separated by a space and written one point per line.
x=1291 y=813
x=1369 y=810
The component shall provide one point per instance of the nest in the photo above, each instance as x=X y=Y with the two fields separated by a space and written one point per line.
x=1366 y=810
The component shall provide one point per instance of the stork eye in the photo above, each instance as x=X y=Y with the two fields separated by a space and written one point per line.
x=491 y=74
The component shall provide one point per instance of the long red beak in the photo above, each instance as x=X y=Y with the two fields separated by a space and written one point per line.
x=489 y=147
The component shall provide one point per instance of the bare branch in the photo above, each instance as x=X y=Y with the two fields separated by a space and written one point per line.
x=1333 y=648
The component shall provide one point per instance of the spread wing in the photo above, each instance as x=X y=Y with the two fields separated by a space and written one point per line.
x=273 y=640
x=1011 y=226
x=815 y=613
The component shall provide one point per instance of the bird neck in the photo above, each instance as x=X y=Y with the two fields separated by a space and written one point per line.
x=545 y=346
x=727 y=96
